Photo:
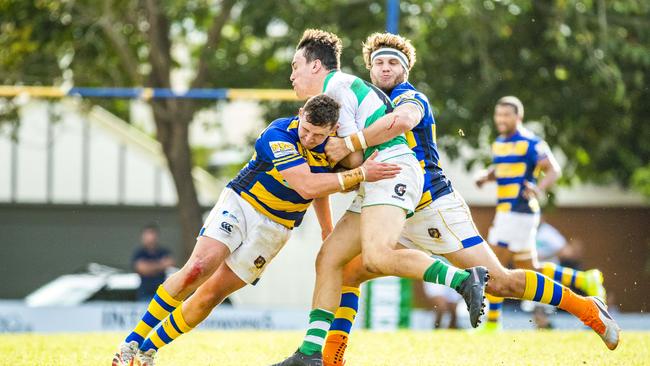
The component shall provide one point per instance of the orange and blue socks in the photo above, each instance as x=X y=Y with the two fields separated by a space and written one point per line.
x=160 y=306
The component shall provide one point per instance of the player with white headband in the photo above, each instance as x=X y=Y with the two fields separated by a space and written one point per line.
x=442 y=223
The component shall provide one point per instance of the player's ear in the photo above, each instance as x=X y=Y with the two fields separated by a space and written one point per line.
x=316 y=66
x=333 y=130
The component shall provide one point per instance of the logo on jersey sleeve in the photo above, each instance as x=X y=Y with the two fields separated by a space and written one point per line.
x=282 y=148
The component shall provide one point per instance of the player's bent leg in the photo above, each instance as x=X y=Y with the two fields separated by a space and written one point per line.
x=207 y=256
x=381 y=227
x=213 y=292
x=340 y=247
x=354 y=274
x=208 y=253
x=192 y=312
x=337 y=250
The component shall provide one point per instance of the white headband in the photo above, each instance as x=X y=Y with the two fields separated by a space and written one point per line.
x=391 y=53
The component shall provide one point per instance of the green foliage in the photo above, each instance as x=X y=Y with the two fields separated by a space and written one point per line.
x=581 y=67
x=641 y=180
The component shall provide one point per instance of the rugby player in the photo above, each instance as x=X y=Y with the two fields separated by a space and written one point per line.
x=442 y=224
x=250 y=224
x=374 y=221
x=518 y=156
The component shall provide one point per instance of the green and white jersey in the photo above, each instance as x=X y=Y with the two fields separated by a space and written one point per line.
x=361 y=105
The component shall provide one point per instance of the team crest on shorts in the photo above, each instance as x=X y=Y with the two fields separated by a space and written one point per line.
x=400 y=189
x=259 y=262
x=434 y=233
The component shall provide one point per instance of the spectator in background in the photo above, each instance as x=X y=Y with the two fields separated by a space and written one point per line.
x=150 y=261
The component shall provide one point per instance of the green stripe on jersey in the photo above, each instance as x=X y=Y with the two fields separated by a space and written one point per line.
x=327 y=79
x=360 y=90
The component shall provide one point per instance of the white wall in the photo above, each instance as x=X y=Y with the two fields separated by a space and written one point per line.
x=119 y=170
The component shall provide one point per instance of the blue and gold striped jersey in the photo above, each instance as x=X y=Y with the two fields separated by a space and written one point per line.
x=515 y=158
x=260 y=182
x=422 y=140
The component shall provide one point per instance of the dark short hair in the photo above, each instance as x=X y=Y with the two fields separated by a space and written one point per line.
x=322 y=111
x=151 y=226
x=321 y=45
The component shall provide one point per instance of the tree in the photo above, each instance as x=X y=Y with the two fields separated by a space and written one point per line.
x=120 y=43
x=581 y=67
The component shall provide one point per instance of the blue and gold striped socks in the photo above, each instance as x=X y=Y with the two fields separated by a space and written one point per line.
x=160 y=306
x=347 y=311
x=540 y=288
x=337 y=337
x=171 y=329
x=565 y=275
x=494 y=308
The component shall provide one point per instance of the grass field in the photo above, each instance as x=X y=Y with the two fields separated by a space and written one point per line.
x=404 y=348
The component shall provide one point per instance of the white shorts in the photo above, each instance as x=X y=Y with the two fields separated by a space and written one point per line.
x=402 y=191
x=515 y=231
x=443 y=226
x=253 y=239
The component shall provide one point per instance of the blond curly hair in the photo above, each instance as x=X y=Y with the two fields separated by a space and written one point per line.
x=379 y=40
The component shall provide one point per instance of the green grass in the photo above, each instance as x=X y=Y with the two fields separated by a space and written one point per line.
x=404 y=348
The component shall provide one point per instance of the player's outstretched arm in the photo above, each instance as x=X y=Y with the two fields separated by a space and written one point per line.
x=313 y=185
x=403 y=118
